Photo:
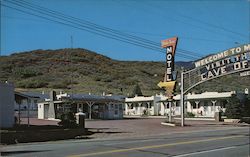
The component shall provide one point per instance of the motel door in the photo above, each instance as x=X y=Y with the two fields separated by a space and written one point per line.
x=46 y=111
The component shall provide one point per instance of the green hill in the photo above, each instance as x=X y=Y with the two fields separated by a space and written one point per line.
x=80 y=70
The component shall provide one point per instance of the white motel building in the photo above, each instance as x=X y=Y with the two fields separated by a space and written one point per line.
x=201 y=105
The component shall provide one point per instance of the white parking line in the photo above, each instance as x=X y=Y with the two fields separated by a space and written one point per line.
x=206 y=151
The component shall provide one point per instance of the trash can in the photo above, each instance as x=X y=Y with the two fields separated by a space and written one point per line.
x=80 y=119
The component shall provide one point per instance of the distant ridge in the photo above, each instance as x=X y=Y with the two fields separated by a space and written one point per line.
x=85 y=71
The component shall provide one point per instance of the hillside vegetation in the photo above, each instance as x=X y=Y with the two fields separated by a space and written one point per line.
x=80 y=70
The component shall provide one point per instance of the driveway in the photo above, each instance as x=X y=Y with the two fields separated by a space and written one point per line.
x=137 y=127
x=146 y=127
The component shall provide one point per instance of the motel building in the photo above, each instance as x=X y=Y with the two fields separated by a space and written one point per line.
x=93 y=106
x=201 y=105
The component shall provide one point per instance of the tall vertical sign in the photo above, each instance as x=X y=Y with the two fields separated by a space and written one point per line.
x=169 y=78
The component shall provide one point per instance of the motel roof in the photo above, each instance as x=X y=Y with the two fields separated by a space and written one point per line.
x=206 y=95
x=93 y=98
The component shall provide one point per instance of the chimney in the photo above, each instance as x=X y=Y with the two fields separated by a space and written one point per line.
x=52 y=95
x=51 y=111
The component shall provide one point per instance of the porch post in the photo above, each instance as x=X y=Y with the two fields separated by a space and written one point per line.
x=90 y=108
x=77 y=107
x=170 y=111
x=140 y=108
x=214 y=102
x=148 y=110
x=197 y=104
x=126 y=109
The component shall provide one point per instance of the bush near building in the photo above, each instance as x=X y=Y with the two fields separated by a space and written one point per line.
x=190 y=115
x=236 y=109
x=68 y=120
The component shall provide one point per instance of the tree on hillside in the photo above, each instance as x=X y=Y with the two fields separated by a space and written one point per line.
x=234 y=109
x=137 y=91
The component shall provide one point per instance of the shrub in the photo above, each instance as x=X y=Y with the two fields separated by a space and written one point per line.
x=26 y=72
x=58 y=85
x=190 y=115
x=137 y=91
x=32 y=83
x=246 y=108
x=63 y=84
x=68 y=120
x=234 y=108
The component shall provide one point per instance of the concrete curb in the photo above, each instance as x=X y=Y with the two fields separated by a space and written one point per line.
x=167 y=124
x=205 y=119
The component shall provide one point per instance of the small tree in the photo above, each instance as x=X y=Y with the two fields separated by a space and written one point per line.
x=68 y=120
x=246 y=108
x=137 y=91
x=234 y=109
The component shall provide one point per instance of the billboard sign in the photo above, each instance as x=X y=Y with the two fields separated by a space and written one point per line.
x=170 y=45
x=234 y=59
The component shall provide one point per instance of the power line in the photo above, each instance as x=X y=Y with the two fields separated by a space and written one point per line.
x=136 y=32
x=78 y=27
x=180 y=36
x=212 y=25
x=106 y=32
x=200 y=27
x=105 y=28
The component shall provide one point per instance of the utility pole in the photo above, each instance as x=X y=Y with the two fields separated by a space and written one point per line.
x=182 y=98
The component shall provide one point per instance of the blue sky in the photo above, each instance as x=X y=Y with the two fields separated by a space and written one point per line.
x=203 y=27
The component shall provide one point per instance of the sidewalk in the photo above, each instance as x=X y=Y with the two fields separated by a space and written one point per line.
x=140 y=126
x=35 y=121
x=164 y=117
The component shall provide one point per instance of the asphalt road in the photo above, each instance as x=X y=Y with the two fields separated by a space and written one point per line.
x=225 y=142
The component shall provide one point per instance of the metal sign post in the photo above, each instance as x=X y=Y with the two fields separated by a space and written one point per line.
x=170 y=110
x=170 y=76
x=182 y=99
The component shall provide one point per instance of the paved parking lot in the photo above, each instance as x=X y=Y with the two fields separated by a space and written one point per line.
x=137 y=127
x=146 y=127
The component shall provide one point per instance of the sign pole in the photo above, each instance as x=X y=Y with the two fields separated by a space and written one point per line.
x=182 y=98
x=170 y=111
x=169 y=79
